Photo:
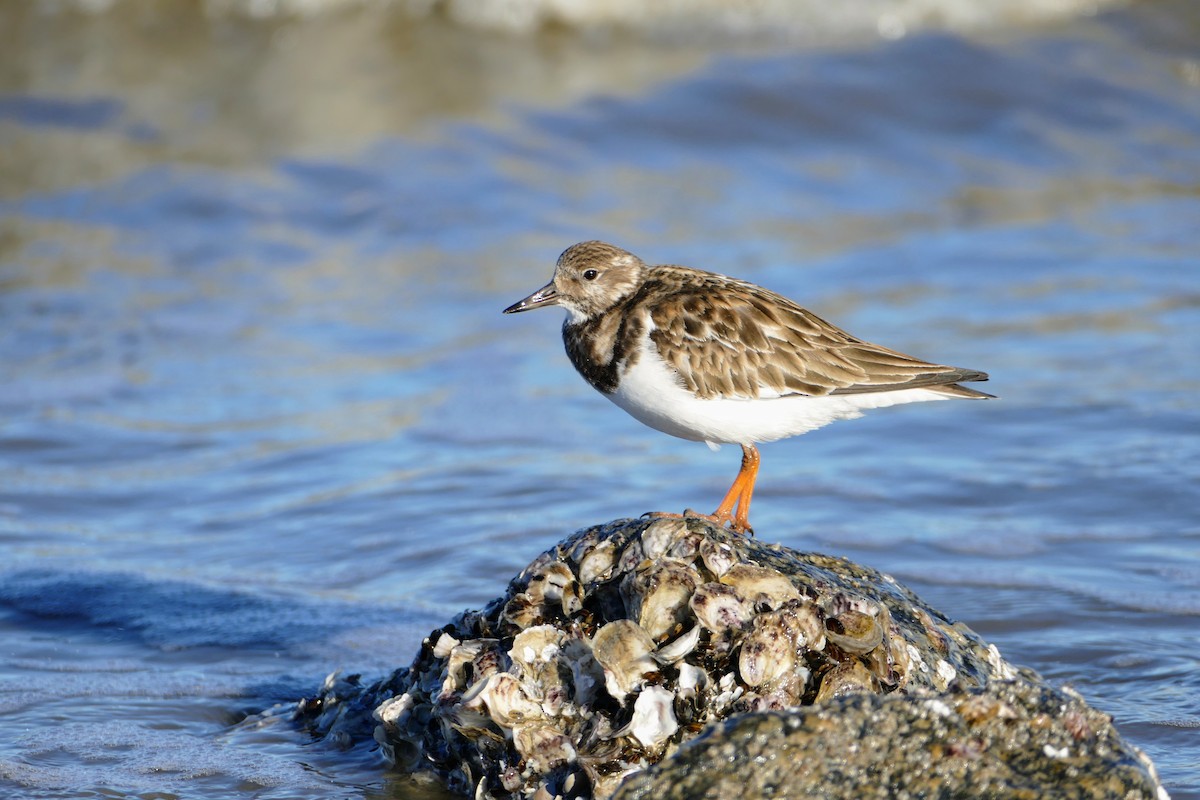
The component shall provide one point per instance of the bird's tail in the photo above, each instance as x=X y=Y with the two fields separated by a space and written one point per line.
x=954 y=390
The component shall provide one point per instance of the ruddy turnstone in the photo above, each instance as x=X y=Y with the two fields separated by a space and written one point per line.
x=714 y=359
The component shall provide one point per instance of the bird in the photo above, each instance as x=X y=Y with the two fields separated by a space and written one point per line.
x=710 y=358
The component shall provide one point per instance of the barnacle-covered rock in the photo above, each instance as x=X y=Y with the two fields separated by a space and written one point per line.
x=612 y=652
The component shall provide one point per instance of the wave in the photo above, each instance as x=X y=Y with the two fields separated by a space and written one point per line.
x=716 y=20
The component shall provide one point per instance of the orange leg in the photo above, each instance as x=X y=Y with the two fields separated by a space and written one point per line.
x=738 y=497
x=739 y=494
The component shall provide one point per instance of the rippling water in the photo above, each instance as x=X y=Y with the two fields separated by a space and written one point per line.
x=261 y=418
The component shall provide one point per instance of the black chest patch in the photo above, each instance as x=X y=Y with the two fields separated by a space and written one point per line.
x=602 y=346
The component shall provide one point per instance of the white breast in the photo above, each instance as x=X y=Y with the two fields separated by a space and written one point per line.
x=653 y=393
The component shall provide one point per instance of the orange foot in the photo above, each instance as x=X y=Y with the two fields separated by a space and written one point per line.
x=738 y=497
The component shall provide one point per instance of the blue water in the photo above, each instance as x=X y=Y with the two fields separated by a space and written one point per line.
x=261 y=417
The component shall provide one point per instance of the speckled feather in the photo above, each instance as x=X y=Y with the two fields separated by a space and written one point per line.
x=725 y=338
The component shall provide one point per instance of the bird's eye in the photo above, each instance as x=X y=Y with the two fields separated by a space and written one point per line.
x=590 y=274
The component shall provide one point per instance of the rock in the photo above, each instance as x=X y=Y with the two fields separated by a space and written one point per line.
x=1013 y=739
x=670 y=657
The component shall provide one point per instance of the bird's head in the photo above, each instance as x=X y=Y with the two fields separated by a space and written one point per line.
x=589 y=279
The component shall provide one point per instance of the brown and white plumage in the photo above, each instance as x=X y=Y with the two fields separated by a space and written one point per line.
x=710 y=358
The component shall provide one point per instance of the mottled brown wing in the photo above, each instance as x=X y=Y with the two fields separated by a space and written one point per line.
x=727 y=338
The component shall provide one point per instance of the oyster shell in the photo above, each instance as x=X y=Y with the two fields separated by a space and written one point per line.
x=769 y=651
x=692 y=680
x=761 y=586
x=624 y=650
x=683 y=645
x=848 y=677
x=555 y=584
x=657 y=596
x=660 y=536
x=597 y=563
x=587 y=676
x=772 y=658
x=653 y=717
x=543 y=746
x=854 y=632
x=536 y=656
x=503 y=699
x=463 y=655
x=534 y=649
x=720 y=608
x=718 y=556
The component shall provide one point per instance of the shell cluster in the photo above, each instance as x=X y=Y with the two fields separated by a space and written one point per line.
x=626 y=639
